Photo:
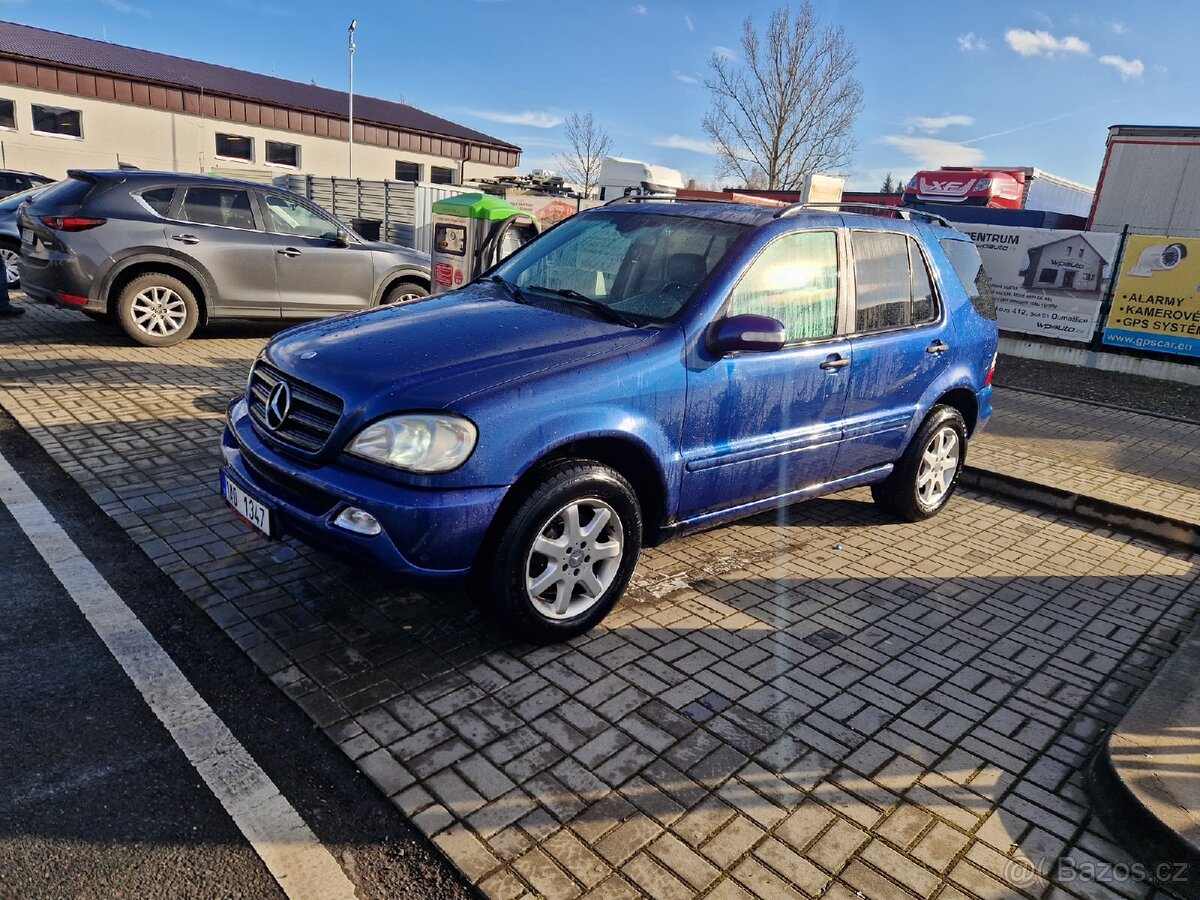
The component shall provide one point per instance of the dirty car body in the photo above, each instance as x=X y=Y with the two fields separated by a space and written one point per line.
x=744 y=360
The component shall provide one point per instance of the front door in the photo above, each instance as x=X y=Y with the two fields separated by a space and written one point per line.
x=217 y=227
x=759 y=425
x=901 y=344
x=317 y=275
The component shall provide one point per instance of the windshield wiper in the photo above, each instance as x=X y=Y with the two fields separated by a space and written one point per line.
x=613 y=315
x=513 y=290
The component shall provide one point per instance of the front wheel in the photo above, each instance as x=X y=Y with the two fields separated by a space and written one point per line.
x=404 y=292
x=928 y=472
x=568 y=553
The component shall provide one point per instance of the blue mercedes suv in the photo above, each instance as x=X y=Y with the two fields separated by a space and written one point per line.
x=641 y=370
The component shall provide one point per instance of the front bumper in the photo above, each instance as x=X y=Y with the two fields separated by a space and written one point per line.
x=428 y=535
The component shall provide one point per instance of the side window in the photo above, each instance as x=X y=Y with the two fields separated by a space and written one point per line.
x=289 y=216
x=924 y=301
x=158 y=199
x=795 y=280
x=218 y=206
x=884 y=296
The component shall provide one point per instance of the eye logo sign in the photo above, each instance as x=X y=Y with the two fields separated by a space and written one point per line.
x=279 y=405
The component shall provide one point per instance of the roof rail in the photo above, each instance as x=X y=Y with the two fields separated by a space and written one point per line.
x=901 y=212
x=642 y=198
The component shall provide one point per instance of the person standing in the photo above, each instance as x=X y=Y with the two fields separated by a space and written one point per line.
x=6 y=307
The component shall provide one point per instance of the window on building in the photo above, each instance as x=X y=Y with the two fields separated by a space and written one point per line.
x=281 y=154
x=235 y=146
x=8 y=114
x=57 y=120
x=1047 y=276
x=408 y=171
x=795 y=280
x=441 y=175
x=218 y=206
x=158 y=199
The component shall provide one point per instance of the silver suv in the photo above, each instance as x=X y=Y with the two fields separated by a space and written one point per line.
x=162 y=253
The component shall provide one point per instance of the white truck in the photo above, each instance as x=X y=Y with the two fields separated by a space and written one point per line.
x=620 y=177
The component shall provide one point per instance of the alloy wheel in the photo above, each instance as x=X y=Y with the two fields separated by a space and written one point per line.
x=939 y=463
x=158 y=311
x=574 y=558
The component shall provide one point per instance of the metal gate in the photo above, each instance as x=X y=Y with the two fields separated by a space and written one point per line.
x=402 y=206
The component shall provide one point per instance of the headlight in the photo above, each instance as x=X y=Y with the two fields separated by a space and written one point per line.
x=417 y=442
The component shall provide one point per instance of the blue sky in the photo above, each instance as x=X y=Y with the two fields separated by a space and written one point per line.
x=944 y=83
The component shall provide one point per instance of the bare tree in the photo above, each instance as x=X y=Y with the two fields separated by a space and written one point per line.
x=788 y=108
x=588 y=144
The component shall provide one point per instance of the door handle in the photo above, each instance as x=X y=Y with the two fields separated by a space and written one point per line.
x=835 y=362
x=937 y=347
x=185 y=238
x=289 y=252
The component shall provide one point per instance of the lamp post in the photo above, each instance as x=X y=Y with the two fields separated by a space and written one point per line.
x=353 y=25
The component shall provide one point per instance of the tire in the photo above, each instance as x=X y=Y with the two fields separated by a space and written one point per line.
x=404 y=292
x=9 y=255
x=158 y=310
x=911 y=492
x=567 y=605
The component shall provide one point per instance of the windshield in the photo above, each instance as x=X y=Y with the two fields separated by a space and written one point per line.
x=643 y=265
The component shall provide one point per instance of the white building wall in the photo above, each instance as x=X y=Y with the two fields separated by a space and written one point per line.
x=182 y=142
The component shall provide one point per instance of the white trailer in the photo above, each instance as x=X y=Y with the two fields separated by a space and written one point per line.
x=619 y=177
x=1150 y=181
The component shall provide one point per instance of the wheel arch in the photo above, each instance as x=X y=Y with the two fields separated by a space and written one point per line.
x=964 y=400
x=399 y=274
x=125 y=272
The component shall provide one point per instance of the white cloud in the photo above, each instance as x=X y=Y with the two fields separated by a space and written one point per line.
x=930 y=153
x=1129 y=68
x=687 y=20
x=528 y=117
x=968 y=43
x=1118 y=27
x=1043 y=43
x=724 y=52
x=679 y=142
x=640 y=9
x=934 y=124
x=684 y=77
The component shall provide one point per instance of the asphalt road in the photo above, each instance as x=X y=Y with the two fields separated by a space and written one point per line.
x=96 y=799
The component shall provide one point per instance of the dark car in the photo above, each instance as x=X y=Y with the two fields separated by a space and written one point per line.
x=162 y=253
x=11 y=181
x=10 y=234
x=638 y=371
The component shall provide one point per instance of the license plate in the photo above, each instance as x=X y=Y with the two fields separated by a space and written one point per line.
x=248 y=508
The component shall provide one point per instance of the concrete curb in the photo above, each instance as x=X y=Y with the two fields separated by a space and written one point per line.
x=1144 y=780
x=1093 y=509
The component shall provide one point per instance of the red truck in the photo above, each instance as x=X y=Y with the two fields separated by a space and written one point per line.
x=1020 y=187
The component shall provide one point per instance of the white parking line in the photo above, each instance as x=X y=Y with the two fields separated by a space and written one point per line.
x=288 y=847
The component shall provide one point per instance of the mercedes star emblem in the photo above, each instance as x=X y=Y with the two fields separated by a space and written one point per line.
x=279 y=404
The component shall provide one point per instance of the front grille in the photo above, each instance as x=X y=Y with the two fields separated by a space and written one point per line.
x=314 y=413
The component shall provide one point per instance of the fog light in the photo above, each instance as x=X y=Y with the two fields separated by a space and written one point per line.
x=358 y=520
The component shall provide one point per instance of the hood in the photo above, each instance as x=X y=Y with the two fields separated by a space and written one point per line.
x=431 y=353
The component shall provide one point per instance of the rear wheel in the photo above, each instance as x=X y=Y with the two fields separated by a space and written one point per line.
x=928 y=472
x=404 y=292
x=9 y=257
x=567 y=554
x=158 y=310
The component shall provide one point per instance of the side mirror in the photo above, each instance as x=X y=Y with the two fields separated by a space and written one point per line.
x=746 y=333
x=341 y=239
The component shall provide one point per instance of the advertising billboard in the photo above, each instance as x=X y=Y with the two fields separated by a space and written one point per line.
x=1046 y=281
x=1156 y=305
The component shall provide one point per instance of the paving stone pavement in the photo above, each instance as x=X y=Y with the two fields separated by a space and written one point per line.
x=1145 y=462
x=810 y=702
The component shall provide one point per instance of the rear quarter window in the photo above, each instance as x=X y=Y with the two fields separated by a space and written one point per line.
x=969 y=268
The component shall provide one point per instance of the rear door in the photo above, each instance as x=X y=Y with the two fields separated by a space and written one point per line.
x=902 y=342
x=218 y=228
x=317 y=275
x=759 y=425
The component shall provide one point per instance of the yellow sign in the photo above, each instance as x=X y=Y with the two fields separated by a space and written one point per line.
x=1156 y=305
